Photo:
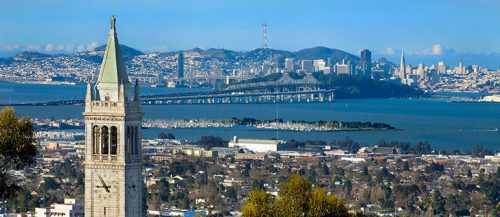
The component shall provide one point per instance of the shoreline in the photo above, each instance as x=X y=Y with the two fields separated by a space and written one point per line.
x=435 y=94
x=68 y=83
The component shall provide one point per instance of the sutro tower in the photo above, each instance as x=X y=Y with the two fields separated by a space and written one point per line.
x=264 y=35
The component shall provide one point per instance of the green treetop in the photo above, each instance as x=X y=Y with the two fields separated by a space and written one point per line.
x=17 y=149
x=296 y=197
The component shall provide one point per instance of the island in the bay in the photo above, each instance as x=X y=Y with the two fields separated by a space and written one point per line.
x=272 y=124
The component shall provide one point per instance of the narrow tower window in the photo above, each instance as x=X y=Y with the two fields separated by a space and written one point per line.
x=114 y=140
x=127 y=143
x=137 y=142
x=96 y=140
x=132 y=141
x=105 y=140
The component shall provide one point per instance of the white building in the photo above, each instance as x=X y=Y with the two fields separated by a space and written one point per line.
x=319 y=65
x=289 y=64
x=441 y=67
x=493 y=158
x=258 y=145
x=71 y=208
x=343 y=68
x=492 y=98
x=460 y=69
x=327 y=70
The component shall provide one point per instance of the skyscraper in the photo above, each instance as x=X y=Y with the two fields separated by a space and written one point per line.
x=460 y=69
x=366 y=62
x=113 y=158
x=441 y=67
x=289 y=64
x=318 y=65
x=343 y=68
x=402 y=67
x=180 y=65
x=330 y=62
x=420 y=70
x=307 y=65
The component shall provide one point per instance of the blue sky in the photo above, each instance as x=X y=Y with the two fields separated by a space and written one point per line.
x=427 y=29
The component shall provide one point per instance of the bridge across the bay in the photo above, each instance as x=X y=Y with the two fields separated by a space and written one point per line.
x=315 y=95
x=216 y=97
x=283 y=90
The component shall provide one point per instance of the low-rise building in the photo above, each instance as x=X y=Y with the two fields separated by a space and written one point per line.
x=258 y=145
x=250 y=156
x=194 y=151
x=71 y=208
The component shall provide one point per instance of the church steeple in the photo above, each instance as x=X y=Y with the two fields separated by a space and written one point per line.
x=113 y=69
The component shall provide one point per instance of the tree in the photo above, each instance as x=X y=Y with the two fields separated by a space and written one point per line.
x=348 y=143
x=162 y=135
x=231 y=193
x=320 y=204
x=17 y=149
x=293 y=195
x=434 y=168
x=423 y=148
x=259 y=204
x=297 y=198
x=49 y=184
x=211 y=141
x=480 y=151
x=406 y=166
x=365 y=171
x=347 y=188
x=437 y=203
x=257 y=185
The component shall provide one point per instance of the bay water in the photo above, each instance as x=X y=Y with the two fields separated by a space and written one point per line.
x=445 y=124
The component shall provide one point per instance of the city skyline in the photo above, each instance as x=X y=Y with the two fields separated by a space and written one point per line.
x=378 y=128
x=384 y=28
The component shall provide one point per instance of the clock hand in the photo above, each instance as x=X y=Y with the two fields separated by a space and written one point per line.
x=106 y=187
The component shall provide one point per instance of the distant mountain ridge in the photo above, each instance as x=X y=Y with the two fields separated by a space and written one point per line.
x=325 y=53
x=126 y=50
x=129 y=53
x=313 y=53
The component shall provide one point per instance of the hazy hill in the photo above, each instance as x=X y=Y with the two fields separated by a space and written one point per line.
x=126 y=50
x=347 y=86
x=31 y=55
x=324 y=53
x=227 y=55
x=258 y=54
x=264 y=54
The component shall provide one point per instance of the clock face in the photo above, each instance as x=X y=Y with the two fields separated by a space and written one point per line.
x=104 y=186
x=133 y=185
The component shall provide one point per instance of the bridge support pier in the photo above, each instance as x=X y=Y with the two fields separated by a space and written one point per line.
x=302 y=94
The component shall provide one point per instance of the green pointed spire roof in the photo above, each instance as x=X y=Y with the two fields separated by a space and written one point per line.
x=113 y=69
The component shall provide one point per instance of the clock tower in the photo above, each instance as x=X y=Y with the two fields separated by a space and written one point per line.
x=113 y=158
